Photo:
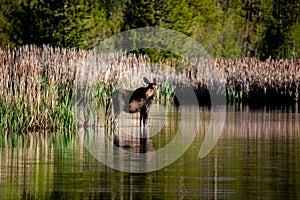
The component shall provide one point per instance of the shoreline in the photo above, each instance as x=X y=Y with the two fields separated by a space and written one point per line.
x=37 y=83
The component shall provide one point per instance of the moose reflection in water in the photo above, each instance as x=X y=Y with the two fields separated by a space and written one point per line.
x=139 y=100
x=137 y=143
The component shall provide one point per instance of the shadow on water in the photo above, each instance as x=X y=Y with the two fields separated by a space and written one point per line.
x=138 y=144
x=256 y=157
x=125 y=146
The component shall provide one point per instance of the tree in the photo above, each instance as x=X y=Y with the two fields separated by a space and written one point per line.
x=294 y=40
x=67 y=23
x=197 y=19
x=5 y=24
x=106 y=20
x=225 y=28
x=280 y=25
x=139 y=14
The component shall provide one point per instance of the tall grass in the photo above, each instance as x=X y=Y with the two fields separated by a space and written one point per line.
x=37 y=83
x=252 y=81
x=35 y=88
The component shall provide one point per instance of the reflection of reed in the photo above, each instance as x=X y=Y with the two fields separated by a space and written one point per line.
x=260 y=147
x=258 y=151
x=263 y=122
x=27 y=163
x=216 y=177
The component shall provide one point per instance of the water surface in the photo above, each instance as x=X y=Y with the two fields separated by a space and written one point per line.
x=256 y=157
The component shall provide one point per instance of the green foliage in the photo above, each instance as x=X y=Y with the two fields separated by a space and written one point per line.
x=4 y=25
x=18 y=116
x=65 y=23
x=294 y=40
x=279 y=19
x=225 y=28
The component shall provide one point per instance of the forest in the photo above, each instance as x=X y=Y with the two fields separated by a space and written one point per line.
x=230 y=29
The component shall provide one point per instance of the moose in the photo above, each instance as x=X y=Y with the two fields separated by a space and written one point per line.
x=139 y=100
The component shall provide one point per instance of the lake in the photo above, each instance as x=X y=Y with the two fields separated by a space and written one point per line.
x=256 y=156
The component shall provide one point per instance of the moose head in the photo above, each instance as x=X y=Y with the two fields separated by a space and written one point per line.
x=139 y=100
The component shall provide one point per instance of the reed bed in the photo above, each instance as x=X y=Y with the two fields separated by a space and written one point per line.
x=38 y=84
x=252 y=81
x=35 y=84
x=245 y=81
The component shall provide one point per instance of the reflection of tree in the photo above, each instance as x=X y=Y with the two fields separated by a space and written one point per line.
x=27 y=163
x=258 y=151
x=259 y=148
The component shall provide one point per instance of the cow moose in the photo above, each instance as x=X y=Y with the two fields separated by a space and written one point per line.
x=139 y=100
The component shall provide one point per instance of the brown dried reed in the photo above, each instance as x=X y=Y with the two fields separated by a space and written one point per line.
x=37 y=82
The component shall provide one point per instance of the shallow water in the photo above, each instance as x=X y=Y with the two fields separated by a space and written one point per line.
x=256 y=157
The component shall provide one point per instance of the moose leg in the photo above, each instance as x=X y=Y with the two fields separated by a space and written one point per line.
x=141 y=118
x=144 y=116
x=145 y=119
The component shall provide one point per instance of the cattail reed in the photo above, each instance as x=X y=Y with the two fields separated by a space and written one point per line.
x=37 y=83
x=252 y=81
x=33 y=84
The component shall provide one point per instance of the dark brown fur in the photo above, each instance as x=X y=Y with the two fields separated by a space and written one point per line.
x=139 y=100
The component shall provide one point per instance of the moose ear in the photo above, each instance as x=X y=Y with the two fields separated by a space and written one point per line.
x=146 y=80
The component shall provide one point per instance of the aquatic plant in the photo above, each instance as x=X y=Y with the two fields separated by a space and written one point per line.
x=38 y=84
x=35 y=89
x=264 y=82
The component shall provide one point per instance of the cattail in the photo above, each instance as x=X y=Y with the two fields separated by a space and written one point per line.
x=38 y=78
